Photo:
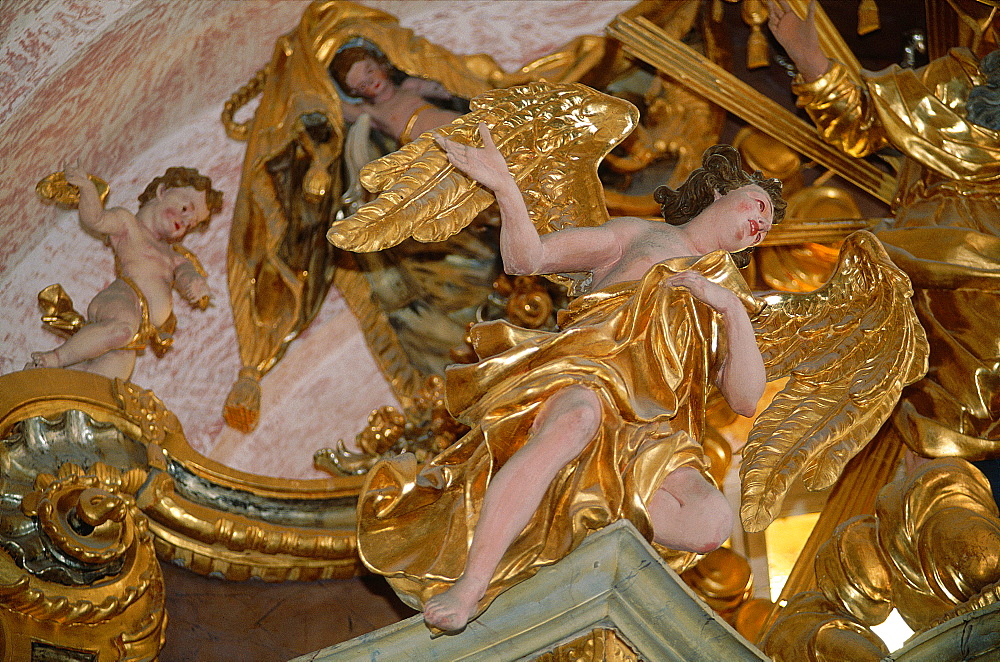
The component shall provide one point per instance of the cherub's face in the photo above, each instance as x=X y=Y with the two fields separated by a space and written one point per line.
x=369 y=80
x=743 y=217
x=176 y=211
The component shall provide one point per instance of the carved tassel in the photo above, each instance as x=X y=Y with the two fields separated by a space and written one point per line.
x=868 y=17
x=242 y=408
x=755 y=15
x=717 y=11
x=756 y=49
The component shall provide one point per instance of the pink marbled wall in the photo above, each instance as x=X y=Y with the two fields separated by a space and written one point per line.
x=108 y=86
x=132 y=86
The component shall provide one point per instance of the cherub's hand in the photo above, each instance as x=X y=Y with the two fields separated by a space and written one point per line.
x=486 y=164
x=197 y=292
x=799 y=38
x=76 y=175
x=704 y=290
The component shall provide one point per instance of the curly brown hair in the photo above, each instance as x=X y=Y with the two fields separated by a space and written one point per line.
x=179 y=177
x=721 y=171
x=346 y=58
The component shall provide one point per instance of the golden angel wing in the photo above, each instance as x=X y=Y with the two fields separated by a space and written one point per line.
x=552 y=136
x=849 y=348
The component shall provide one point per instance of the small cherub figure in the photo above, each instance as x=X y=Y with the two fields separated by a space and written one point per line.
x=399 y=105
x=136 y=309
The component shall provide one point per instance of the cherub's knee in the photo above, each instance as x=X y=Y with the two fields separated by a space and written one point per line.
x=569 y=420
x=583 y=411
x=716 y=527
x=116 y=334
x=695 y=515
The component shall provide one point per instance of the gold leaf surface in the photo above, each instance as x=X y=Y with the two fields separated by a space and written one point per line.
x=849 y=348
x=552 y=136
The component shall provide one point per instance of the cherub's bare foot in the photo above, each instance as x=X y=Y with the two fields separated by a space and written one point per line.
x=43 y=360
x=452 y=610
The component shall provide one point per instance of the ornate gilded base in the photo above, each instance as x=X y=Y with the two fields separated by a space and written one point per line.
x=97 y=480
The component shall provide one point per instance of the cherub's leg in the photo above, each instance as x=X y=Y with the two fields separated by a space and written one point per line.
x=113 y=318
x=689 y=513
x=116 y=363
x=564 y=426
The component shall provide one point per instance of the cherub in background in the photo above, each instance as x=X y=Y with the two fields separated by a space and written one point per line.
x=136 y=309
x=400 y=106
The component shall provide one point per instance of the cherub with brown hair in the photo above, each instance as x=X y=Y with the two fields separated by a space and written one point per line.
x=136 y=309
x=603 y=419
x=567 y=427
x=400 y=106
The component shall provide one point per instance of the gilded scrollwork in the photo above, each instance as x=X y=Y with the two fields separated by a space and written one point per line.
x=425 y=429
x=930 y=551
x=147 y=411
x=600 y=645
x=78 y=570
x=202 y=515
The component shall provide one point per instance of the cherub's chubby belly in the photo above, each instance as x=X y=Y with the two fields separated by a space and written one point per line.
x=158 y=298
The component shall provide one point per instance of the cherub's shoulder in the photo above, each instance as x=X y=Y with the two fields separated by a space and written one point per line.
x=633 y=225
x=117 y=221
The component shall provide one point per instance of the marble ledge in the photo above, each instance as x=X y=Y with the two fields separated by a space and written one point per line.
x=613 y=580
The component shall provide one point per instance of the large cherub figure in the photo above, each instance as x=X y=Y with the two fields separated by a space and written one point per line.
x=723 y=210
x=136 y=310
x=600 y=421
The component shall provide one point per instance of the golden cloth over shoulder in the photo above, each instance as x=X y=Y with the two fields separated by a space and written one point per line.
x=946 y=236
x=647 y=349
x=952 y=172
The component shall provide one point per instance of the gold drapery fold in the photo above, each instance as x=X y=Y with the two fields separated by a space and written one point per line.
x=649 y=352
x=955 y=410
x=945 y=236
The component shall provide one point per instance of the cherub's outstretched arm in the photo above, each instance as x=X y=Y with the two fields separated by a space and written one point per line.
x=742 y=376
x=93 y=215
x=523 y=250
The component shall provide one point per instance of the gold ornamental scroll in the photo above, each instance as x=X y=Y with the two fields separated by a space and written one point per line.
x=649 y=43
x=206 y=517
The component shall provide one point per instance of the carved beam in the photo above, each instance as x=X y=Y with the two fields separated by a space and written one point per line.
x=646 y=41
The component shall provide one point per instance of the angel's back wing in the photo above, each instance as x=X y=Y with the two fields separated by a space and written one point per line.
x=848 y=349
x=552 y=135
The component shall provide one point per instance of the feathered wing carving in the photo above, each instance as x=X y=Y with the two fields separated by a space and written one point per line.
x=848 y=349
x=552 y=135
